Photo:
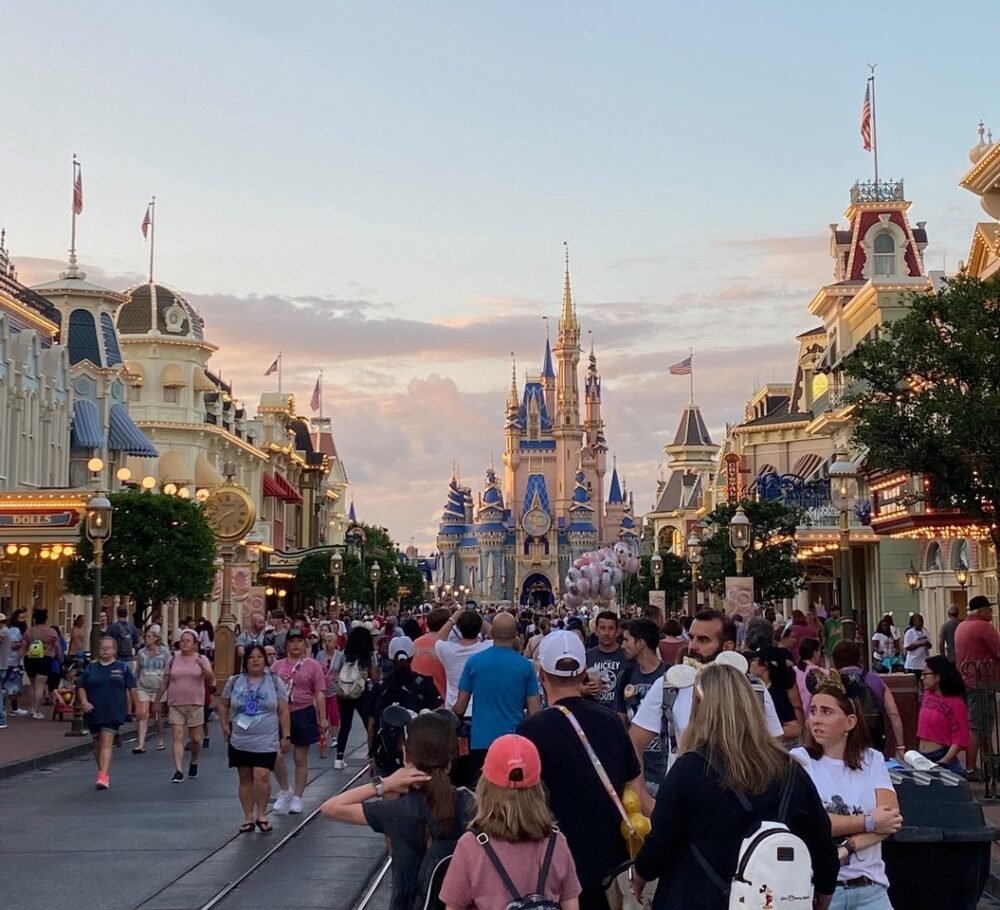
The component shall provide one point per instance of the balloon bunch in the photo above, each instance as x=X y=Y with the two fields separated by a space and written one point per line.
x=596 y=574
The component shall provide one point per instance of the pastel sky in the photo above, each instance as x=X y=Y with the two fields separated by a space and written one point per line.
x=382 y=191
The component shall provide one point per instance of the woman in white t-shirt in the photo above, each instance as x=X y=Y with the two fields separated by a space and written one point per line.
x=916 y=646
x=854 y=785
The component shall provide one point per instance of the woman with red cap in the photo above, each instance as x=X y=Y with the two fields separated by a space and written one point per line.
x=514 y=849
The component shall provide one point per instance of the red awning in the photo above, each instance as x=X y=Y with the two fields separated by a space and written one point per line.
x=272 y=487
x=291 y=494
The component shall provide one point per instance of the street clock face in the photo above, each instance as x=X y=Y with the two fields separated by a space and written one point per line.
x=536 y=522
x=230 y=512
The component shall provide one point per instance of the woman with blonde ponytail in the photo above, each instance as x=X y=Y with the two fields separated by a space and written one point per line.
x=416 y=808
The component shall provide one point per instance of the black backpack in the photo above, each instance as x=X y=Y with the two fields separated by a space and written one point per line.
x=537 y=899
x=874 y=719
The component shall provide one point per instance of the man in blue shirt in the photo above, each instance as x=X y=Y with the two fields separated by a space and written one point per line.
x=106 y=691
x=504 y=684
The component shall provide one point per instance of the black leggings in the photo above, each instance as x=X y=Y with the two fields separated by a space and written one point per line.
x=348 y=708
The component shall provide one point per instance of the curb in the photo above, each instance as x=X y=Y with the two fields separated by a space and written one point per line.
x=82 y=746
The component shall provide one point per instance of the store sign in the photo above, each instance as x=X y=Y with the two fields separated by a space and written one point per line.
x=732 y=477
x=893 y=500
x=40 y=519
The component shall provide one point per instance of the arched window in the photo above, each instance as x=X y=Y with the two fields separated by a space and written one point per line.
x=885 y=254
x=933 y=561
x=961 y=555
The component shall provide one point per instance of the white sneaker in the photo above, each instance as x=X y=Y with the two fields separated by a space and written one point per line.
x=282 y=802
x=20 y=712
x=340 y=764
x=38 y=716
x=295 y=808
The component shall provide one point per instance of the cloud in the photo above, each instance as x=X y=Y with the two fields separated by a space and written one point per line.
x=632 y=262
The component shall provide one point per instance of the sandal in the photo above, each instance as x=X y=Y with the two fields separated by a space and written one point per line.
x=138 y=751
x=160 y=747
x=246 y=827
x=264 y=825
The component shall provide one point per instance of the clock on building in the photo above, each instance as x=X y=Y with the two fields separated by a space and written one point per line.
x=536 y=522
x=230 y=512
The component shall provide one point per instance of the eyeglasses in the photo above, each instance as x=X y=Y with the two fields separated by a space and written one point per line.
x=928 y=673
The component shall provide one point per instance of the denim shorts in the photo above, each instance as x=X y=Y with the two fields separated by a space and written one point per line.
x=870 y=897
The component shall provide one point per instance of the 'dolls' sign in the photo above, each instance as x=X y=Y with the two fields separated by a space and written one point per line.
x=64 y=518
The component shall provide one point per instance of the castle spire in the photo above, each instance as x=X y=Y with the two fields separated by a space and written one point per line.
x=567 y=306
x=512 y=396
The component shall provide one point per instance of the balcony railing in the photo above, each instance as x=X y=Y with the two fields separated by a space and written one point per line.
x=882 y=191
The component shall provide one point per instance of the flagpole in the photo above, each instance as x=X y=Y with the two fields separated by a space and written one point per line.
x=152 y=235
x=72 y=238
x=691 y=374
x=320 y=394
x=871 y=81
x=279 y=372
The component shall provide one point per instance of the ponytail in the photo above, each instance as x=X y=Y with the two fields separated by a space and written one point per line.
x=440 y=797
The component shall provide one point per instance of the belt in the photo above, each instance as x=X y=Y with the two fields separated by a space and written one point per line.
x=862 y=881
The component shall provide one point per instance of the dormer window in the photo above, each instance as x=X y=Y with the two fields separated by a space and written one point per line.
x=885 y=254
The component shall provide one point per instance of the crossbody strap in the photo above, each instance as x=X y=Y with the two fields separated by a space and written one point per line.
x=598 y=767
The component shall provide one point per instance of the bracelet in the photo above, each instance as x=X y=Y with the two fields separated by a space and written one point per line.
x=849 y=846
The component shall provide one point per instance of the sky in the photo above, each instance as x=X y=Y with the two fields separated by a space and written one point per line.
x=381 y=191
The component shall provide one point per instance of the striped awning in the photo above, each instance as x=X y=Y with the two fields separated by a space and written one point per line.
x=806 y=465
x=291 y=494
x=86 y=432
x=272 y=488
x=125 y=436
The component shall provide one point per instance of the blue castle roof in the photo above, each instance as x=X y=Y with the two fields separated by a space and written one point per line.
x=533 y=391
x=547 y=371
x=536 y=489
x=615 y=495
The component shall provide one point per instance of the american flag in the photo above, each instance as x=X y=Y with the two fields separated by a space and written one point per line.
x=681 y=369
x=866 y=118
x=146 y=222
x=78 y=191
x=317 y=395
x=273 y=368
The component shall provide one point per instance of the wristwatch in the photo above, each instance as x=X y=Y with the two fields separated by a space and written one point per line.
x=379 y=785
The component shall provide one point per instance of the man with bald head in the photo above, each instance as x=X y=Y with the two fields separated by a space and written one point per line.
x=505 y=686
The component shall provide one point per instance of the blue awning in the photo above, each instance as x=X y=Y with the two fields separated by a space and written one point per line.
x=125 y=436
x=86 y=431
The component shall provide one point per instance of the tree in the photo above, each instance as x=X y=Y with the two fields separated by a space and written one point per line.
x=675 y=582
x=160 y=547
x=770 y=558
x=313 y=579
x=927 y=398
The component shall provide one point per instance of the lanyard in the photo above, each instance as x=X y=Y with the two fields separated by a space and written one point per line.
x=290 y=682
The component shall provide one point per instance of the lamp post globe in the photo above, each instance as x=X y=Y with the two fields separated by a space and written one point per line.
x=336 y=572
x=98 y=528
x=962 y=575
x=656 y=567
x=843 y=475
x=375 y=573
x=739 y=536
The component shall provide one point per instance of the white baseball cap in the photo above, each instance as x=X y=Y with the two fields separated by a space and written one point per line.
x=561 y=645
x=402 y=647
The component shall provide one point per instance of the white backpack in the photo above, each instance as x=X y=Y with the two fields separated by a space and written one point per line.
x=774 y=871
x=351 y=683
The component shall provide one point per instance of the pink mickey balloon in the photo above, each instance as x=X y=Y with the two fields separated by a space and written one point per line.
x=631 y=565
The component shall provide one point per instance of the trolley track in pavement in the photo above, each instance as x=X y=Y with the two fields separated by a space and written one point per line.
x=259 y=862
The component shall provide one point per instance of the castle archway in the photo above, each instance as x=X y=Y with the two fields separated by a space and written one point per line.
x=536 y=592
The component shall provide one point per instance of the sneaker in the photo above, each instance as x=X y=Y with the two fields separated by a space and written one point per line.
x=295 y=807
x=282 y=802
x=20 y=712
x=192 y=770
x=103 y=781
x=204 y=743
x=177 y=778
x=37 y=715
x=3 y=725
x=340 y=764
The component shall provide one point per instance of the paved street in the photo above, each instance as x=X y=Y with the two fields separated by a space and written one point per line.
x=160 y=846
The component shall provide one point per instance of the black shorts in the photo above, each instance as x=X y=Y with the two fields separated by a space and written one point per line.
x=97 y=729
x=239 y=758
x=305 y=727
x=38 y=666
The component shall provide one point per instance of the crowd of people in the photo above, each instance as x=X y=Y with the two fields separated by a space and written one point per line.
x=570 y=757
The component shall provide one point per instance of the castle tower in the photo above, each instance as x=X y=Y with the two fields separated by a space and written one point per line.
x=512 y=435
x=593 y=427
x=581 y=534
x=567 y=428
x=451 y=532
x=490 y=581
x=548 y=378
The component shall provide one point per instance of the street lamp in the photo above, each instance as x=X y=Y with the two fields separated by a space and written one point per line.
x=98 y=531
x=843 y=494
x=694 y=558
x=375 y=573
x=336 y=571
x=913 y=579
x=253 y=542
x=656 y=567
x=739 y=536
x=962 y=575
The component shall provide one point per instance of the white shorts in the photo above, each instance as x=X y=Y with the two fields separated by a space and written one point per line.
x=147 y=696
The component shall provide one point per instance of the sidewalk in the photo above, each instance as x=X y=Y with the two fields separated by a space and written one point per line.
x=27 y=744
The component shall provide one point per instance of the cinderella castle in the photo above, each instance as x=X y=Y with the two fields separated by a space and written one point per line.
x=517 y=538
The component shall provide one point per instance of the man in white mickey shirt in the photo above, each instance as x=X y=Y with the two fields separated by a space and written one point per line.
x=712 y=633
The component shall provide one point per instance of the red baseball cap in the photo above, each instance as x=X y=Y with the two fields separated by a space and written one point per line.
x=513 y=762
